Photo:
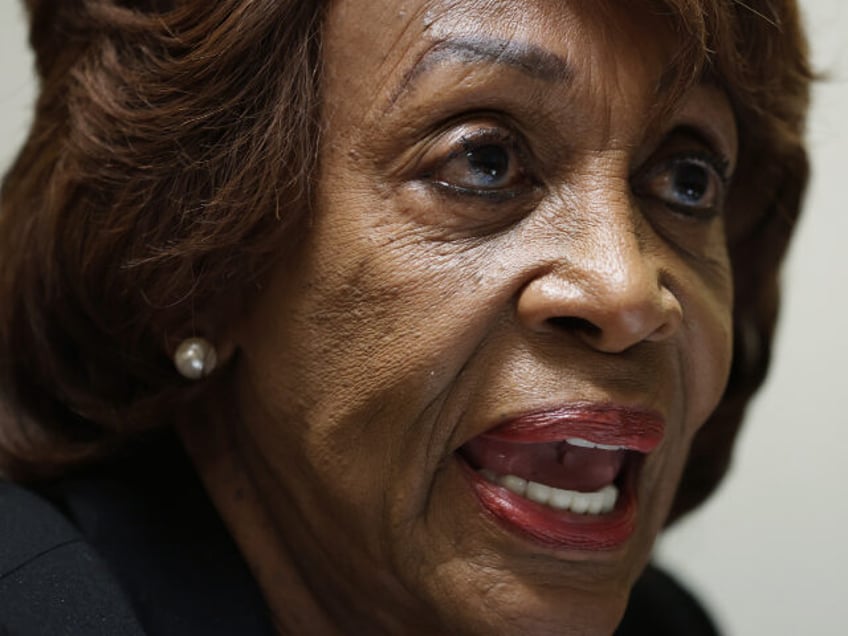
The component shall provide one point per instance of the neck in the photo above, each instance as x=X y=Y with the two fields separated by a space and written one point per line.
x=298 y=598
x=214 y=453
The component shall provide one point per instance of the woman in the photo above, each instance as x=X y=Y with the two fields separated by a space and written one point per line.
x=452 y=306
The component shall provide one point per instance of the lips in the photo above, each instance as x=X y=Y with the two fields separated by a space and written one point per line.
x=566 y=477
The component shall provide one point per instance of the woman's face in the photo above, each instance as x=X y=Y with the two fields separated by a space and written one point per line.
x=509 y=250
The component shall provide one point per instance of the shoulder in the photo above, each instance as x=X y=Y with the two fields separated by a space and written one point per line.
x=30 y=528
x=51 y=580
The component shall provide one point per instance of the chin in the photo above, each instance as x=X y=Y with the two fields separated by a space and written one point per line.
x=519 y=606
x=508 y=565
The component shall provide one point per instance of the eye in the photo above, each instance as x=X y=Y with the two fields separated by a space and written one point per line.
x=690 y=184
x=478 y=161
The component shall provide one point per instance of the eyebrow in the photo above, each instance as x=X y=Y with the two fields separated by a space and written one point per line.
x=534 y=61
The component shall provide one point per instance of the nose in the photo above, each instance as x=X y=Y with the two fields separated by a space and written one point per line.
x=607 y=290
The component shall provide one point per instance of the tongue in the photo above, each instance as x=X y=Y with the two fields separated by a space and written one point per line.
x=556 y=464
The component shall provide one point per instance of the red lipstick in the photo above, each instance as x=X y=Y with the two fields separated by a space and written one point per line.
x=625 y=430
x=635 y=429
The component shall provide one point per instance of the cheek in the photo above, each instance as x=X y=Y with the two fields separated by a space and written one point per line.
x=362 y=339
x=362 y=346
x=707 y=360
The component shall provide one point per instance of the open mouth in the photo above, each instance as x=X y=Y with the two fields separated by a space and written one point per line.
x=566 y=479
x=574 y=475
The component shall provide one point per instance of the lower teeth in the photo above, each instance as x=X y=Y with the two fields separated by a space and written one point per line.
x=585 y=503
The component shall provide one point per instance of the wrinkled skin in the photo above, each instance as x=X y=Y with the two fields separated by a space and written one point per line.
x=429 y=301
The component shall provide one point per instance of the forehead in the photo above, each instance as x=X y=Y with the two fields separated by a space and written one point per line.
x=399 y=21
x=378 y=51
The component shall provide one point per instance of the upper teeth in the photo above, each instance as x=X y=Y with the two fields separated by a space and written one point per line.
x=584 y=443
x=592 y=503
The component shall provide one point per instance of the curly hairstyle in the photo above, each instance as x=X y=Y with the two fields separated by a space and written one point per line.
x=170 y=160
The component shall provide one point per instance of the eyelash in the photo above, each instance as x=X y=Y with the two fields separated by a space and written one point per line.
x=477 y=141
x=717 y=167
x=647 y=183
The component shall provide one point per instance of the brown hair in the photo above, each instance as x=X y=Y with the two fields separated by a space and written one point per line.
x=170 y=160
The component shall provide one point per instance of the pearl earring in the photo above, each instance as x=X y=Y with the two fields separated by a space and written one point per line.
x=195 y=358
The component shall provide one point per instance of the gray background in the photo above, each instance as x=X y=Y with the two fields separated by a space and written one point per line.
x=769 y=553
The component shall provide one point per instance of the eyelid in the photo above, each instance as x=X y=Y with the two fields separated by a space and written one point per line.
x=466 y=135
x=486 y=134
x=712 y=149
x=719 y=164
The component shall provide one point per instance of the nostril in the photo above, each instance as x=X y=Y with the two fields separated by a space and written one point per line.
x=574 y=324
